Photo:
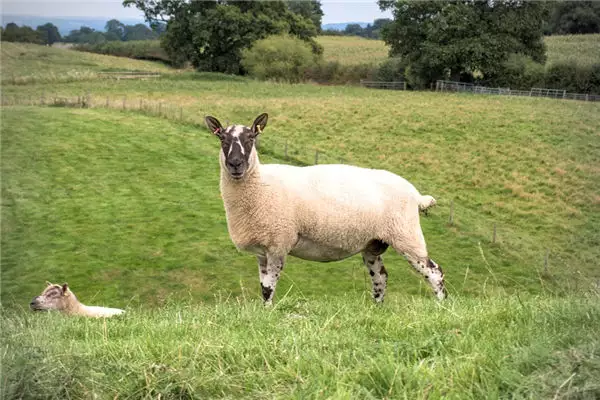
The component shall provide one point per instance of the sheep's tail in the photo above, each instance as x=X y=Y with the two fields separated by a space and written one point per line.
x=426 y=202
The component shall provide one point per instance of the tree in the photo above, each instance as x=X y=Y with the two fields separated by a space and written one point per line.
x=212 y=34
x=454 y=39
x=85 y=35
x=24 y=34
x=115 y=30
x=353 y=29
x=139 y=32
x=310 y=9
x=49 y=33
x=572 y=17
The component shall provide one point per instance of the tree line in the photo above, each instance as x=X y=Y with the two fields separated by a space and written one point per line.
x=49 y=33
x=371 y=31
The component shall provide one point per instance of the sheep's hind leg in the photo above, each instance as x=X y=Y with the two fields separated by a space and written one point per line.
x=269 y=268
x=374 y=263
x=415 y=252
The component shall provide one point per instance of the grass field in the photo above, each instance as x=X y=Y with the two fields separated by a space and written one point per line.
x=29 y=63
x=125 y=206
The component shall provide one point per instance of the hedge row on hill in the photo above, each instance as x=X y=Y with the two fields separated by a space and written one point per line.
x=138 y=49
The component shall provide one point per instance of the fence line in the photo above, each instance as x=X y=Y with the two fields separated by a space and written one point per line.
x=396 y=85
x=452 y=86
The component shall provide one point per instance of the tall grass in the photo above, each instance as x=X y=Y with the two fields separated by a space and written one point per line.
x=343 y=348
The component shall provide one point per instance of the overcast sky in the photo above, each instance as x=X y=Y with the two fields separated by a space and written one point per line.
x=335 y=10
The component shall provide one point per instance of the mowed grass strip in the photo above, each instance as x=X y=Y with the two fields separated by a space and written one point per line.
x=527 y=347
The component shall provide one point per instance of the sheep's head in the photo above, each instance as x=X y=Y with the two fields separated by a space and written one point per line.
x=237 y=143
x=54 y=297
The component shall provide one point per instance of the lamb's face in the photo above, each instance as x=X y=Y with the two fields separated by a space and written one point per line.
x=237 y=143
x=54 y=297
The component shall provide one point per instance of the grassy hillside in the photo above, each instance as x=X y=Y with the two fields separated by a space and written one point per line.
x=29 y=63
x=343 y=348
x=126 y=206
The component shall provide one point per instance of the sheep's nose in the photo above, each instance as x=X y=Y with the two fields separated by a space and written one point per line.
x=235 y=163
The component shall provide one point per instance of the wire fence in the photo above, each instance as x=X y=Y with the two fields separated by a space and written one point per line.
x=452 y=86
x=276 y=147
x=396 y=85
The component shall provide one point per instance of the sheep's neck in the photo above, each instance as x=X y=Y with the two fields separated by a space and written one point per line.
x=239 y=195
x=73 y=306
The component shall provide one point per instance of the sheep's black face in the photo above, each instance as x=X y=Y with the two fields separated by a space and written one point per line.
x=237 y=143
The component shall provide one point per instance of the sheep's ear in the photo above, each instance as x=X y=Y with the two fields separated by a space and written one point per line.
x=259 y=124
x=48 y=283
x=65 y=289
x=213 y=125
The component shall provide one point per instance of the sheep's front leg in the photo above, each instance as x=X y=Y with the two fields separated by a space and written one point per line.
x=269 y=268
x=374 y=264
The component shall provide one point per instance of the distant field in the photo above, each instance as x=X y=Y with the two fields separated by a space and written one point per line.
x=30 y=63
x=353 y=50
x=583 y=49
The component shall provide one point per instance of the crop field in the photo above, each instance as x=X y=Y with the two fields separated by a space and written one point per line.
x=121 y=200
x=581 y=49
x=353 y=50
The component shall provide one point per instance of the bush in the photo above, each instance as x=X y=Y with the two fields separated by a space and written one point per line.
x=520 y=72
x=391 y=70
x=279 y=58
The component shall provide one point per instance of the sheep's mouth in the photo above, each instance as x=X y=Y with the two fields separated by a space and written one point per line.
x=236 y=175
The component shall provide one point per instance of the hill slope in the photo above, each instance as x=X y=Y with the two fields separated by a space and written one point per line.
x=126 y=206
x=32 y=63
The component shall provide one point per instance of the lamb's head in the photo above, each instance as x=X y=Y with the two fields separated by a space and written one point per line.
x=54 y=297
x=237 y=144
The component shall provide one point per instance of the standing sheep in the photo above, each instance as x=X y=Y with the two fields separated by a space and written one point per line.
x=318 y=213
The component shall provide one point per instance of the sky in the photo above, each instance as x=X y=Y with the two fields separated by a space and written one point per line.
x=335 y=10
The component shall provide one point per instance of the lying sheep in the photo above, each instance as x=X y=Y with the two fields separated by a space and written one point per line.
x=60 y=297
x=319 y=213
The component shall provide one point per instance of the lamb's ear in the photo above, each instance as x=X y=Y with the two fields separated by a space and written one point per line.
x=213 y=125
x=49 y=283
x=259 y=124
x=65 y=289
